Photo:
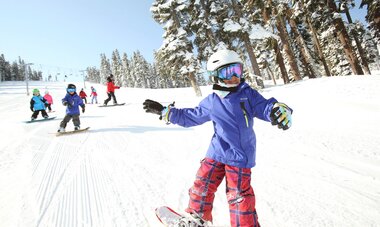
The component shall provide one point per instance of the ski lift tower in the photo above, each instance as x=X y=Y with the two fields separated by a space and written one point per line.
x=84 y=82
x=26 y=78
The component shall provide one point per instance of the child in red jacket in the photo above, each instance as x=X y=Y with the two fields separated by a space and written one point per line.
x=111 y=90
x=83 y=95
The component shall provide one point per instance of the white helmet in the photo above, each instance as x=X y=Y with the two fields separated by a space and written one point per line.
x=222 y=57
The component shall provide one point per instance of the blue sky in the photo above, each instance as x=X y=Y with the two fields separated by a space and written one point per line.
x=71 y=34
x=67 y=36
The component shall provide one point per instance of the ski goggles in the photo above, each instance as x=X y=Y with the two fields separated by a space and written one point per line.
x=70 y=90
x=227 y=72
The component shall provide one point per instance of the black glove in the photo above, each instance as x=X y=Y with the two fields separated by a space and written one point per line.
x=31 y=108
x=83 y=109
x=154 y=107
x=281 y=115
x=65 y=103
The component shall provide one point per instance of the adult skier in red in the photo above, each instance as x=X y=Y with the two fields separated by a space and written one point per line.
x=111 y=90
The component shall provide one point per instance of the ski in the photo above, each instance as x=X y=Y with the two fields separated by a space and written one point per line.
x=38 y=120
x=119 y=104
x=72 y=132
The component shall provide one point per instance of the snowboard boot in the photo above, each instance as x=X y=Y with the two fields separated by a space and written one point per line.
x=33 y=118
x=61 y=129
x=193 y=220
x=76 y=128
x=46 y=117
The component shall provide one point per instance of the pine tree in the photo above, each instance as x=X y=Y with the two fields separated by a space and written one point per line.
x=345 y=7
x=304 y=53
x=127 y=80
x=139 y=70
x=238 y=28
x=105 y=68
x=373 y=17
x=4 y=69
x=344 y=38
x=279 y=12
x=203 y=25
x=176 y=50
x=116 y=67
x=308 y=8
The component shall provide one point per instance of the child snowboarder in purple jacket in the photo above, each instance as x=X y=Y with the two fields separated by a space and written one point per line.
x=72 y=101
x=232 y=151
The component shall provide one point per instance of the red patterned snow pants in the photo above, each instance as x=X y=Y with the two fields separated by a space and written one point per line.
x=240 y=195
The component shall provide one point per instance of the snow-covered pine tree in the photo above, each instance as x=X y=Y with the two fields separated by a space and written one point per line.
x=116 y=67
x=126 y=78
x=373 y=18
x=238 y=29
x=166 y=80
x=279 y=9
x=4 y=68
x=105 y=68
x=344 y=7
x=93 y=74
x=300 y=44
x=14 y=71
x=270 y=43
x=344 y=39
x=204 y=25
x=368 y=44
x=308 y=9
x=177 y=50
x=140 y=70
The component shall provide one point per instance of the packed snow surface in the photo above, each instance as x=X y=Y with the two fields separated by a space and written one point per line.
x=324 y=171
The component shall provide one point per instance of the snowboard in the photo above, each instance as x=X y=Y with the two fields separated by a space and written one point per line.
x=119 y=104
x=168 y=217
x=41 y=119
x=72 y=132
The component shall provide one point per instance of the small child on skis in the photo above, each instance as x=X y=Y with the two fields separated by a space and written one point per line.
x=94 y=95
x=110 y=90
x=49 y=100
x=72 y=101
x=37 y=105
x=232 y=151
x=83 y=95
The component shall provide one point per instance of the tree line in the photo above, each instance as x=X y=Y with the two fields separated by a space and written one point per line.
x=135 y=71
x=15 y=71
x=310 y=38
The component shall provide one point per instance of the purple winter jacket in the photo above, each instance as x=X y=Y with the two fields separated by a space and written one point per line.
x=73 y=103
x=234 y=141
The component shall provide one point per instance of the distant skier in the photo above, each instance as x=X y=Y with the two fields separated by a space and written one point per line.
x=83 y=95
x=232 y=151
x=49 y=99
x=94 y=95
x=37 y=105
x=72 y=101
x=111 y=90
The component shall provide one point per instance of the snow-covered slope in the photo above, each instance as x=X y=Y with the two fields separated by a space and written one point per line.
x=324 y=171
